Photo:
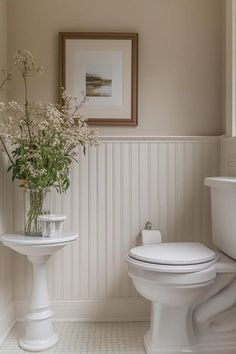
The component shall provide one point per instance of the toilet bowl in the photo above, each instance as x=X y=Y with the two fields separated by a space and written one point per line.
x=192 y=288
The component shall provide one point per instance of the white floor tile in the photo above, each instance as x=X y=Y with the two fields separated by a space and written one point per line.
x=88 y=338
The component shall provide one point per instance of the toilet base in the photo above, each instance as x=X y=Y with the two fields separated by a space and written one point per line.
x=192 y=312
x=211 y=348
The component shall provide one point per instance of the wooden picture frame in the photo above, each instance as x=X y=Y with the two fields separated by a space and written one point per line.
x=105 y=67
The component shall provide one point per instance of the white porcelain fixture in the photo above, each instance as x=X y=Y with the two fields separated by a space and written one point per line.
x=192 y=288
x=51 y=224
x=39 y=334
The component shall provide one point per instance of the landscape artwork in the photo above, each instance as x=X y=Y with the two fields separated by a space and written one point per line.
x=99 y=81
x=103 y=68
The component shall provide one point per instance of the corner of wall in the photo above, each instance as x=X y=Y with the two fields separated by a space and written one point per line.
x=7 y=319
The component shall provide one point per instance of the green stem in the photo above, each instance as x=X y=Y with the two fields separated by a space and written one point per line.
x=36 y=204
x=26 y=106
x=4 y=81
x=5 y=148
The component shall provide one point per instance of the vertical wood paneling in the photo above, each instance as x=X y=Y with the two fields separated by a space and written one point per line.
x=109 y=219
x=171 y=191
x=208 y=164
x=57 y=262
x=179 y=191
x=231 y=168
x=126 y=207
x=135 y=201
x=75 y=226
x=101 y=226
x=135 y=193
x=93 y=222
x=188 y=191
x=153 y=183
x=117 y=219
x=84 y=227
x=228 y=157
x=144 y=205
x=162 y=188
x=197 y=191
x=114 y=190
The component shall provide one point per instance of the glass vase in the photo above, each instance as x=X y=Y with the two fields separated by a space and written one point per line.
x=35 y=201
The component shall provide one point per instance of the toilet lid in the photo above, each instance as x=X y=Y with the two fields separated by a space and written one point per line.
x=173 y=253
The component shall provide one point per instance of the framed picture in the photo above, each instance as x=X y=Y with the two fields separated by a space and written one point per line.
x=104 y=67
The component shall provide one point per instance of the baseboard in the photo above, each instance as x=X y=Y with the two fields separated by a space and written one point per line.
x=94 y=310
x=7 y=321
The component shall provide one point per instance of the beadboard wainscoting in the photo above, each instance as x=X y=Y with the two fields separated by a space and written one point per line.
x=6 y=257
x=228 y=157
x=115 y=189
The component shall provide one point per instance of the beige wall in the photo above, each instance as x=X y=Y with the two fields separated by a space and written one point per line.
x=180 y=55
x=3 y=33
x=3 y=41
x=6 y=306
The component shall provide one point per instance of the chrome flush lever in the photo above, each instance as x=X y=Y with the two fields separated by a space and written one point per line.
x=149 y=226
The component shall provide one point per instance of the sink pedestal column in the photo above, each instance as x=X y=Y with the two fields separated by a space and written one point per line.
x=39 y=334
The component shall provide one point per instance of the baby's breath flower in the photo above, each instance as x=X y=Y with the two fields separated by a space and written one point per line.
x=15 y=106
x=42 y=140
x=25 y=61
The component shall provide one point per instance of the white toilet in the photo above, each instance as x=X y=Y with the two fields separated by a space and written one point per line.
x=192 y=288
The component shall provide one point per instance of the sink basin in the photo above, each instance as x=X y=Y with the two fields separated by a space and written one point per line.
x=39 y=334
x=37 y=246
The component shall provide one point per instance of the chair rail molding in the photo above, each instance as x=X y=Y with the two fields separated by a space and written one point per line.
x=162 y=139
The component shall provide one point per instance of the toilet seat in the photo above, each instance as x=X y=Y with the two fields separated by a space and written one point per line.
x=177 y=269
x=174 y=254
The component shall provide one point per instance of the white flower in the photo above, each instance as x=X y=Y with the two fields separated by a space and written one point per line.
x=44 y=138
x=15 y=106
x=25 y=61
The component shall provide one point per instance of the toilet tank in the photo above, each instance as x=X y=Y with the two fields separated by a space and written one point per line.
x=223 y=209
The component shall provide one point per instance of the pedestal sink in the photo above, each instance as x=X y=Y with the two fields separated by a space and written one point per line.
x=39 y=334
